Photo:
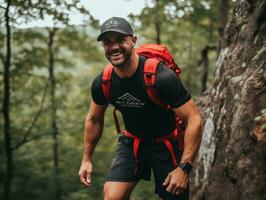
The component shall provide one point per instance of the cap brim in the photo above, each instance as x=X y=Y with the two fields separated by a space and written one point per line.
x=99 y=38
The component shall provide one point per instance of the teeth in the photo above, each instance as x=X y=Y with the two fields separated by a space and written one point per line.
x=115 y=54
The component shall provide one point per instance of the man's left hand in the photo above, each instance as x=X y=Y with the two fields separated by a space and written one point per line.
x=176 y=181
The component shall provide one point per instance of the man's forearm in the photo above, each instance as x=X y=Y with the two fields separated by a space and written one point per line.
x=92 y=133
x=192 y=139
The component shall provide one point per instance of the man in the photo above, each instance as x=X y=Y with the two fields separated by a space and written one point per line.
x=143 y=120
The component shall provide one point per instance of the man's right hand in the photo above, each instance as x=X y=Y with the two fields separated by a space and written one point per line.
x=85 y=172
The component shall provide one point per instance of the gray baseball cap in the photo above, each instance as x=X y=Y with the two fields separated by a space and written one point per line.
x=115 y=24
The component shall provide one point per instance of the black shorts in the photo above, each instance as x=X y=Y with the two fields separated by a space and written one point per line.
x=155 y=157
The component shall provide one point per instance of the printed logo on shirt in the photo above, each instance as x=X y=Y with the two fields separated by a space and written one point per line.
x=128 y=100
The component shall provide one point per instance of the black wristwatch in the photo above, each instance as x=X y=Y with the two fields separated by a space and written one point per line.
x=186 y=167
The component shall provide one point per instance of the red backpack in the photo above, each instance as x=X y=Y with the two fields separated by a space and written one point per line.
x=155 y=54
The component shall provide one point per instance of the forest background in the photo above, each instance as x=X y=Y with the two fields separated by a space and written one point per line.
x=45 y=87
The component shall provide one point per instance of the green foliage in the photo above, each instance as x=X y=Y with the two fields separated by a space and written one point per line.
x=29 y=78
x=186 y=28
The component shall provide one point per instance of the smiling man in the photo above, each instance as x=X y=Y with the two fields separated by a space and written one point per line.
x=149 y=142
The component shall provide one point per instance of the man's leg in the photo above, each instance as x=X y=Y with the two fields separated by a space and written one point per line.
x=118 y=190
x=161 y=162
x=122 y=176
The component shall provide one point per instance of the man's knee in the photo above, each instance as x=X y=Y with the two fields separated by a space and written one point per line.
x=112 y=193
x=116 y=191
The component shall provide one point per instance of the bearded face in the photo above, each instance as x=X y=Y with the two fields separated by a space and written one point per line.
x=118 y=48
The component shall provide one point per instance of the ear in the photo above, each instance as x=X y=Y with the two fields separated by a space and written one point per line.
x=134 y=39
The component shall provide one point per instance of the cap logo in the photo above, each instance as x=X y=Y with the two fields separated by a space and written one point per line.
x=112 y=22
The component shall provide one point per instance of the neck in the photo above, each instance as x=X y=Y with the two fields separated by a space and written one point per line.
x=129 y=68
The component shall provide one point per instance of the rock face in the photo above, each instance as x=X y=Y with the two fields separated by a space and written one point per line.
x=231 y=164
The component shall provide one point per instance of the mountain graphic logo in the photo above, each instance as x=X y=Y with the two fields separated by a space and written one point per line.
x=113 y=22
x=129 y=100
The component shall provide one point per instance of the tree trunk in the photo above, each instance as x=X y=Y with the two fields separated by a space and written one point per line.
x=223 y=18
x=5 y=109
x=205 y=71
x=157 y=23
x=53 y=113
x=205 y=63
x=231 y=160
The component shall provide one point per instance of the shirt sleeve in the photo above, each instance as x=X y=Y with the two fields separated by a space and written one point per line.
x=170 y=88
x=96 y=91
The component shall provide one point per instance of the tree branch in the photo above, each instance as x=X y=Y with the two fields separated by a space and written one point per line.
x=27 y=140
x=29 y=131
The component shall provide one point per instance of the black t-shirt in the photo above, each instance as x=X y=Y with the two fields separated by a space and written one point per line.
x=142 y=117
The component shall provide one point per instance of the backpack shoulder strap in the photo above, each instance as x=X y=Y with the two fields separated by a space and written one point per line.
x=106 y=81
x=149 y=72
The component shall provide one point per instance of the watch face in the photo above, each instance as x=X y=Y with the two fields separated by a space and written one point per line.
x=187 y=167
